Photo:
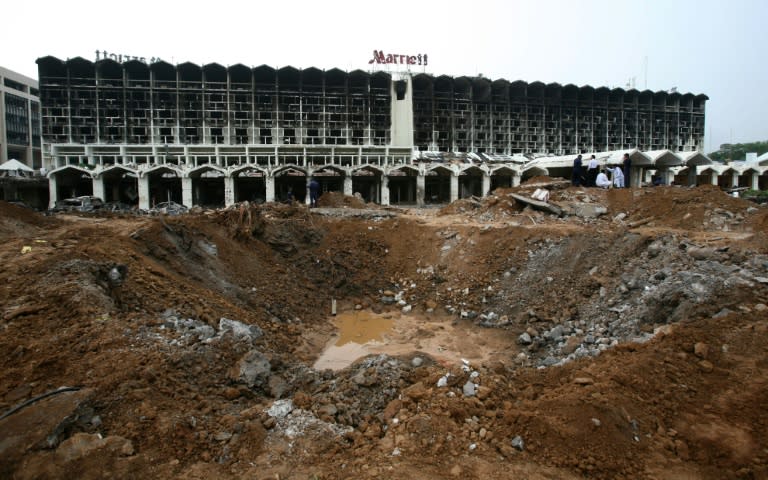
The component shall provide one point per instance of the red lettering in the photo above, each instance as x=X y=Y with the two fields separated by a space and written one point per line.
x=390 y=58
x=401 y=58
x=411 y=60
x=425 y=59
x=378 y=57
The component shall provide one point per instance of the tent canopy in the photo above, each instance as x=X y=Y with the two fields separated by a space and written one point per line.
x=14 y=164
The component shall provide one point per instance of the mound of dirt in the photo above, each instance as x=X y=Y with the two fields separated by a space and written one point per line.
x=339 y=200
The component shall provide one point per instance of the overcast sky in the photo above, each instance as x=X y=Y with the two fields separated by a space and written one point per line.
x=715 y=47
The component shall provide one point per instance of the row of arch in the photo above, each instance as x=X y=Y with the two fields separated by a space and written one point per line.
x=214 y=186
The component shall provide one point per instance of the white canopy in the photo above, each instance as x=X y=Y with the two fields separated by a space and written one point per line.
x=14 y=164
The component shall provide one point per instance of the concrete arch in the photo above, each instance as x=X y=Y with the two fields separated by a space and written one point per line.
x=329 y=166
x=164 y=183
x=407 y=169
x=283 y=169
x=367 y=182
x=695 y=158
x=290 y=183
x=152 y=169
x=467 y=167
x=441 y=170
x=118 y=183
x=369 y=167
x=665 y=159
x=503 y=176
x=534 y=171
x=242 y=168
x=69 y=181
x=203 y=168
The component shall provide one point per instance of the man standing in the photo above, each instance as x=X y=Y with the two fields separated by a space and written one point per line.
x=627 y=168
x=592 y=171
x=314 y=192
x=618 y=177
x=576 y=174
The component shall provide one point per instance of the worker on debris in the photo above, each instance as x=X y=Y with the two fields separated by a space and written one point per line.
x=627 y=166
x=314 y=192
x=602 y=180
x=618 y=177
x=592 y=168
x=576 y=174
x=289 y=195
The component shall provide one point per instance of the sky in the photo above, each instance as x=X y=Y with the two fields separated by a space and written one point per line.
x=714 y=47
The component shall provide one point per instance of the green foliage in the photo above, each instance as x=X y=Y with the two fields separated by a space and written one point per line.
x=755 y=194
x=738 y=151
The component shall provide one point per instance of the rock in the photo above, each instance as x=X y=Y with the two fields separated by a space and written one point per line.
x=621 y=216
x=430 y=304
x=280 y=408
x=407 y=309
x=469 y=389
x=524 y=339
x=417 y=391
x=518 y=443
x=596 y=422
x=222 y=436
x=253 y=369
x=701 y=350
x=327 y=410
x=571 y=344
x=230 y=393
x=239 y=330
x=550 y=361
x=723 y=313
x=82 y=444
x=706 y=366
x=443 y=381
x=700 y=253
x=761 y=307
x=388 y=293
x=416 y=362
x=583 y=381
x=387 y=300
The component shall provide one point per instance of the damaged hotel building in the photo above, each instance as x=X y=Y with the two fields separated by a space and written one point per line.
x=209 y=135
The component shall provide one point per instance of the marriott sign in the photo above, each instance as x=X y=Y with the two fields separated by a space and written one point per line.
x=398 y=59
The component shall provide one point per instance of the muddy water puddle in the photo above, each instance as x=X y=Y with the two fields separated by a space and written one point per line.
x=361 y=333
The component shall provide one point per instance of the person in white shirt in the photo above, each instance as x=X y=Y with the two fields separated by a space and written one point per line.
x=618 y=177
x=592 y=167
x=602 y=180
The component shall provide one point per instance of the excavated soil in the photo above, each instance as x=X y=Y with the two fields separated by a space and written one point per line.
x=625 y=339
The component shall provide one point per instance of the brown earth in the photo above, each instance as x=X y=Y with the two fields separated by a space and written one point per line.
x=679 y=279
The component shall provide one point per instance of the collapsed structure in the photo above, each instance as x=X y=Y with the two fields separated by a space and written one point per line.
x=142 y=134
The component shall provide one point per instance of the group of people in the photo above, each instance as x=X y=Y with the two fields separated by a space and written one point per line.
x=599 y=177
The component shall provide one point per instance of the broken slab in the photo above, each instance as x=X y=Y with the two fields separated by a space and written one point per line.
x=585 y=210
x=538 y=205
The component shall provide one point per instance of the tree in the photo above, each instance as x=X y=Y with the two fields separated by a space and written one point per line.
x=738 y=151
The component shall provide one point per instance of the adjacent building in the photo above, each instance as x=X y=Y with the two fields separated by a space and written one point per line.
x=19 y=119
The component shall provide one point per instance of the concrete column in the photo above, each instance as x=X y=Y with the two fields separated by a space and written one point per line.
x=384 y=190
x=516 y=180
x=307 y=199
x=420 y=190
x=348 y=185
x=486 y=184
x=754 y=181
x=714 y=177
x=98 y=187
x=229 y=190
x=454 y=187
x=52 y=191
x=692 y=176
x=270 y=183
x=734 y=180
x=144 y=192
x=186 y=191
x=668 y=176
